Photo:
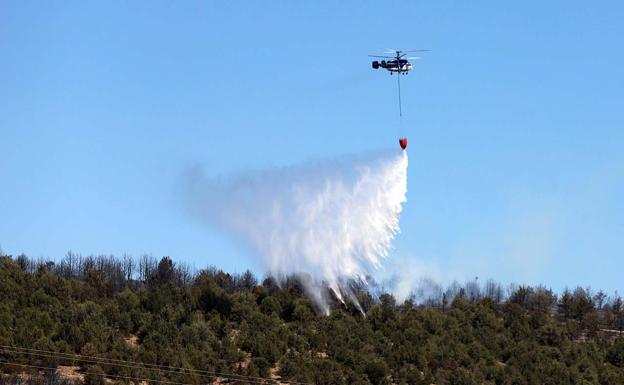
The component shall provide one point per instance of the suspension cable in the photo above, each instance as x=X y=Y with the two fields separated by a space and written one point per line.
x=400 y=107
x=399 y=89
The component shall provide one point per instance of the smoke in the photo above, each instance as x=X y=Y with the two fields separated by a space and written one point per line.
x=328 y=222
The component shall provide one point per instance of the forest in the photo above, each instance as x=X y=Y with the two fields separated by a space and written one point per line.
x=99 y=320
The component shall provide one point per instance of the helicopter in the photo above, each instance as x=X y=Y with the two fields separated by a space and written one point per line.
x=399 y=63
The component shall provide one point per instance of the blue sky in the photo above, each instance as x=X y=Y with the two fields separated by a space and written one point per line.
x=514 y=119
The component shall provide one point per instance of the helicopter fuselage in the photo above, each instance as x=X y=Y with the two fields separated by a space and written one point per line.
x=400 y=66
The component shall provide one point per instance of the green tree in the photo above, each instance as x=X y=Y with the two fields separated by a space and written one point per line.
x=94 y=376
x=615 y=354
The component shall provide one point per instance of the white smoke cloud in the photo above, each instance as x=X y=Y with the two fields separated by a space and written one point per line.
x=332 y=220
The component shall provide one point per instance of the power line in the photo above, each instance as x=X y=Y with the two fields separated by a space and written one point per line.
x=63 y=356
x=132 y=364
x=125 y=377
x=105 y=361
x=258 y=380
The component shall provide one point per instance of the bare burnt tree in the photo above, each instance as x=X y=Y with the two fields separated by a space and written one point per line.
x=114 y=272
x=427 y=293
x=489 y=288
x=184 y=273
x=147 y=265
x=86 y=264
x=23 y=262
x=69 y=265
x=452 y=291
x=493 y=290
x=473 y=290
x=128 y=266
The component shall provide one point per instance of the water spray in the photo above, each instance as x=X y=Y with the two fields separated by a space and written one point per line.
x=333 y=221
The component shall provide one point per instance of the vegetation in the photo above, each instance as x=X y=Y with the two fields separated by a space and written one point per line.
x=159 y=312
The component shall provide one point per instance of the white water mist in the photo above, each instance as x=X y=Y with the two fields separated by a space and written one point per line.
x=331 y=220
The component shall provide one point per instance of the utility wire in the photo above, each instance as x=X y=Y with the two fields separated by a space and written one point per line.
x=252 y=381
x=131 y=364
x=126 y=377
x=103 y=362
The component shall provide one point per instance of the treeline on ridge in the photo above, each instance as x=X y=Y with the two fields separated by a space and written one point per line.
x=159 y=312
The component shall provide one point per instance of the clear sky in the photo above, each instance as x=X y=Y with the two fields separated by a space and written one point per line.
x=515 y=121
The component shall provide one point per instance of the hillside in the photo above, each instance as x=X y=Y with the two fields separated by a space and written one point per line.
x=99 y=320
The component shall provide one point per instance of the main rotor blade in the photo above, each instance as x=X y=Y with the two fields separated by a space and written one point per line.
x=386 y=57
x=406 y=52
